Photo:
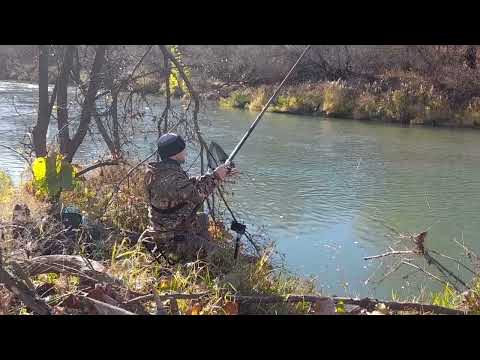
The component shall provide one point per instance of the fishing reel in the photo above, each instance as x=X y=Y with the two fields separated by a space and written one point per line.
x=230 y=165
x=216 y=156
x=240 y=229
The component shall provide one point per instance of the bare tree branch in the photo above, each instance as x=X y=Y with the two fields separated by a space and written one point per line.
x=40 y=130
x=89 y=101
x=62 y=99
x=27 y=296
x=391 y=253
x=93 y=167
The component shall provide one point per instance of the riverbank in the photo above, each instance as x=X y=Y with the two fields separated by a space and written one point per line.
x=255 y=284
x=395 y=97
x=109 y=238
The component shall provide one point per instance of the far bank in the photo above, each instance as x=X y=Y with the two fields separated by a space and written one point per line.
x=405 y=98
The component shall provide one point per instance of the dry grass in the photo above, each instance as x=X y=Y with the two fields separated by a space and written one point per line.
x=219 y=277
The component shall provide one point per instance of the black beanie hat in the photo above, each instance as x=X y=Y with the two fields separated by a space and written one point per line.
x=170 y=144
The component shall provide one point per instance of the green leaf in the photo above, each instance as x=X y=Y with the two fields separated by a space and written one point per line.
x=340 y=307
x=53 y=174
x=39 y=168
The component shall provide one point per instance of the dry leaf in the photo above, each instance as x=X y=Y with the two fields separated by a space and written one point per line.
x=57 y=310
x=194 y=309
x=231 y=308
x=71 y=302
x=164 y=283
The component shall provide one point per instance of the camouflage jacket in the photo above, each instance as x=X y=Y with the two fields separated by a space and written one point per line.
x=173 y=197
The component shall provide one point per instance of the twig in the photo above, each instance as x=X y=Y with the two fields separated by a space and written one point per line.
x=400 y=252
x=104 y=308
x=117 y=185
x=166 y=297
x=68 y=264
x=137 y=65
x=389 y=273
x=18 y=153
x=443 y=269
x=425 y=272
x=93 y=167
x=468 y=252
x=373 y=274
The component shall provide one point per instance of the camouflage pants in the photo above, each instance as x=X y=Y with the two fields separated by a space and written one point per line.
x=187 y=245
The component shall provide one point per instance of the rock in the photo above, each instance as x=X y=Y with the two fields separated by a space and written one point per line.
x=324 y=307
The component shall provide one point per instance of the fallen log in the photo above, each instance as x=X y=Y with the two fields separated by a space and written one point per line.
x=104 y=308
x=401 y=306
x=366 y=303
x=68 y=264
x=27 y=296
x=163 y=297
x=20 y=273
x=278 y=299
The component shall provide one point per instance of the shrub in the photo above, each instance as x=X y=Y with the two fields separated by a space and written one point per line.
x=259 y=98
x=127 y=210
x=437 y=107
x=6 y=187
x=338 y=99
x=472 y=113
x=397 y=105
x=367 y=106
x=302 y=100
x=237 y=99
x=409 y=97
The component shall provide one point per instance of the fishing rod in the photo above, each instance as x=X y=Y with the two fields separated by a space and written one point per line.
x=237 y=227
x=260 y=115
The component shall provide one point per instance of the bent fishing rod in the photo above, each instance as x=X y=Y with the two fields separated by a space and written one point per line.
x=260 y=115
x=239 y=228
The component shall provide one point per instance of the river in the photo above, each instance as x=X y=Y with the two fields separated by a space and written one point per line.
x=324 y=188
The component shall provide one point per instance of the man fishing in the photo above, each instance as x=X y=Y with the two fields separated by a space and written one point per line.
x=174 y=198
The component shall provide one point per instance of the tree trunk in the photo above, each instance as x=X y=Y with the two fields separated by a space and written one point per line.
x=471 y=56
x=114 y=114
x=62 y=99
x=40 y=130
x=106 y=137
x=89 y=102
x=166 y=63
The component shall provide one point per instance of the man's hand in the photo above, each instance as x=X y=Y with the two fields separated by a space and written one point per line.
x=223 y=171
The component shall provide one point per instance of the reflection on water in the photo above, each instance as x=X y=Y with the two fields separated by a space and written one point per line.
x=323 y=188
